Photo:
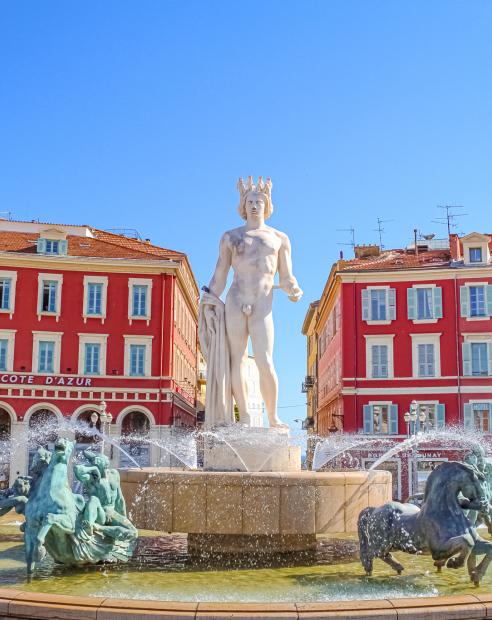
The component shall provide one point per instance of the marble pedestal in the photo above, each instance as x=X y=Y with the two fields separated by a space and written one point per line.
x=250 y=450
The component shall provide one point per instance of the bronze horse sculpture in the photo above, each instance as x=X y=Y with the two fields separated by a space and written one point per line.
x=440 y=526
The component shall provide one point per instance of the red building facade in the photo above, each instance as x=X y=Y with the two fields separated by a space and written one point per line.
x=402 y=327
x=89 y=316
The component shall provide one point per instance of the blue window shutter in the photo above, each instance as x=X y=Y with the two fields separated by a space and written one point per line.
x=489 y=356
x=41 y=246
x=368 y=419
x=365 y=305
x=467 y=361
x=393 y=421
x=411 y=305
x=63 y=246
x=438 y=302
x=392 y=304
x=464 y=301
x=468 y=417
x=441 y=416
x=489 y=299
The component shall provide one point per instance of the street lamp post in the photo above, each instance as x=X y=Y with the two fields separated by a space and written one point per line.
x=105 y=418
x=411 y=418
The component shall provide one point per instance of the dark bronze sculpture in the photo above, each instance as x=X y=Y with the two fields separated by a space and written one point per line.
x=440 y=526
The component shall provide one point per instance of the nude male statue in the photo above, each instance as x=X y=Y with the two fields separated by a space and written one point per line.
x=255 y=252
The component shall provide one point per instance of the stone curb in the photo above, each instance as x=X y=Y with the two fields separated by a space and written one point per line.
x=21 y=605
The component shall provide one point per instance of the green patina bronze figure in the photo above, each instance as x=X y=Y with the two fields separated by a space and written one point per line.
x=73 y=530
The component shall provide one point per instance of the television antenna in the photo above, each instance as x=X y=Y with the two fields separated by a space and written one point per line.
x=448 y=219
x=350 y=230
x=380 y=230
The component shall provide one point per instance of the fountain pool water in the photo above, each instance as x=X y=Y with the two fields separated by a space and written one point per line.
x=162 y=570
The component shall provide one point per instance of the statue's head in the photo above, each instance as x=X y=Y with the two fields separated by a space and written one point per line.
x=63 y=450
x=100 y=461
x=255 y=199
x=40 y=462
x=22 y=485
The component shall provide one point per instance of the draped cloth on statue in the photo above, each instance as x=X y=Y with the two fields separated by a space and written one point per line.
x=215 y=349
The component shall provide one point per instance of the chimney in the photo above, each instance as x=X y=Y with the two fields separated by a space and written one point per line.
x=454 y=246
x=366 y=251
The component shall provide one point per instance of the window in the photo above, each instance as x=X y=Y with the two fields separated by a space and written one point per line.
x=92 y=358
x=380 y=361
x=475 y=255
x=424 y=303
x=92 y=354
x=379 y=357
x=476 y=300
x=379 y=304
x=478 y=416
x=137 y=360
x=46 y=349
x=48 y=299
x=4 y=347
x=435 y=415
x=380 y=419
x=479 y=359
x=94 y=298
x=8 y=281
x=139 y=301
x=46 y=357
x=51 y=246
x=138 y=356
x=49 y=294
x=426 y=360
x=5 y=288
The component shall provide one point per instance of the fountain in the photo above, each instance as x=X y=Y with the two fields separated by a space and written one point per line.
x=289 y=534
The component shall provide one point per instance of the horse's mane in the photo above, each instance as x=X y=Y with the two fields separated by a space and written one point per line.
x=436 y=476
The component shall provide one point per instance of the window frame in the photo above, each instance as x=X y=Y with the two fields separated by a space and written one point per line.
x=100 y=339
x=388 y=340
x=56 y=338
x=138 y=340
x=433 y=339
x=103 y=280
x=140 y=282
x=9 y=336
x=12 y=276
x=391 y=309
x=50 y=277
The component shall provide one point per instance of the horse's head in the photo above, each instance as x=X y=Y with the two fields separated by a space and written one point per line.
x=63 y=450
x=40 y=462
x=473 y=484
x=100 y=461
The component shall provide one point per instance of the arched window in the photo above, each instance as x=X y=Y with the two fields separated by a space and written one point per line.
x=85 y=438
x=135 y=431
x=43 y=431
x=5 y=429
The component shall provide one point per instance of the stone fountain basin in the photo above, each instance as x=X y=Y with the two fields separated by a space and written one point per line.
x=245 y=512
x=21 y=605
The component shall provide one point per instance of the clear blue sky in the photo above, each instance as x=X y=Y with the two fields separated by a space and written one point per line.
x=143 y=114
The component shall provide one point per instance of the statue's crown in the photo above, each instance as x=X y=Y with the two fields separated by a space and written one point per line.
x=260 y=187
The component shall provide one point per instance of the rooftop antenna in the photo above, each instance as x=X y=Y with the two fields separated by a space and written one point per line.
x=351 y=230
x=449 y=218
x=380 y=230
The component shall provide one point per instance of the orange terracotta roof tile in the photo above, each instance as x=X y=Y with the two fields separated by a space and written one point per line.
x=103 y=245
x=399 y=259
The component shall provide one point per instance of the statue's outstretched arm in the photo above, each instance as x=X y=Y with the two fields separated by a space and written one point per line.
x=219 y=279
x=84 y=473
x=287 y=281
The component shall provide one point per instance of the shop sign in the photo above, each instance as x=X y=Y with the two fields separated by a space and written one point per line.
x=46 y=380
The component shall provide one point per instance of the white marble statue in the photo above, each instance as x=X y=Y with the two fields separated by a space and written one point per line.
x=256 y=252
